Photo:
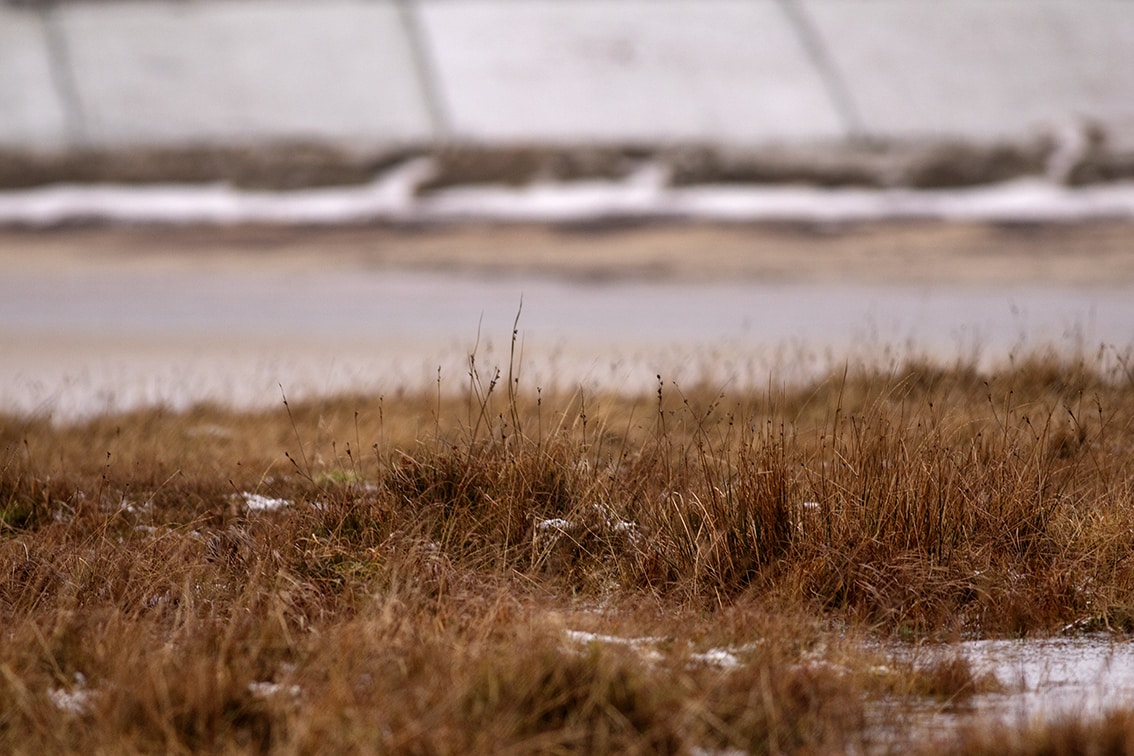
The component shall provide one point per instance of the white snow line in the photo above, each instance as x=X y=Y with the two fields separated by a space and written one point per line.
x=641 y=646
x=582 y=637
x=393 y=197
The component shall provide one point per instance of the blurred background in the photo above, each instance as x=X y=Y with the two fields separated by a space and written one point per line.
x=841 y=91
x=404 y=118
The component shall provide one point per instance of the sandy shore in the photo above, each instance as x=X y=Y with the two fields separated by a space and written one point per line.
x=893 y=253
x=112 y=317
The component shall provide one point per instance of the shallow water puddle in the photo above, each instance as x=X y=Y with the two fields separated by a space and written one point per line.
x=1043 y=680
x=1049 y=677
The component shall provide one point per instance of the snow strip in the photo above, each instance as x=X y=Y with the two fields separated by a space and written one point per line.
x=723 y=658
x=393 y=197
x=641 y=646
x=582 y=637
x=388 y=197
x=717 y=657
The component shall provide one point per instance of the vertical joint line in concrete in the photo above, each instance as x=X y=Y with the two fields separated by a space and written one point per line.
x=63 y=74
x=427 y=77
x=833 y=80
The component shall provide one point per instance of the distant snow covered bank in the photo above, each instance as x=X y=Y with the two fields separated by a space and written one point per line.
x=645 y=195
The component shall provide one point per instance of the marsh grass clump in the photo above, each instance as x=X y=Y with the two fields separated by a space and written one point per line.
x=552 y=699
x=950 y=679
x=407 y=573
x=1108 y=733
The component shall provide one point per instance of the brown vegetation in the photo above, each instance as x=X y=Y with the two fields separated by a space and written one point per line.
x=924 y=164
x=502 y=570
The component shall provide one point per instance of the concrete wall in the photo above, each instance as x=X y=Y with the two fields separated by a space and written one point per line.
x=633 y=69
x=370 y=72
x=288 y=68
x=31 y=108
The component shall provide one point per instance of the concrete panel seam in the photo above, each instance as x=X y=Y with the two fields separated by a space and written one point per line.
x=425 y=67
x=833 y=81
x=63 y=74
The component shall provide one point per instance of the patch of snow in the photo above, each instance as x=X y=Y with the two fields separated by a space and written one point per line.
x=614 y=524
x=272 y=689
x=556 y=523
x=258 y=503
x=640 y=195
x=126 y=505
x=608 y=522
x=75 y=701
x=826 y=665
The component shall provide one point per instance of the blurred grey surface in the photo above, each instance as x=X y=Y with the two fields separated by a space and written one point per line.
x=738 y=72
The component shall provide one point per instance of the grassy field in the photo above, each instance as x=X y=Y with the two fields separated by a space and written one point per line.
x=490 y=568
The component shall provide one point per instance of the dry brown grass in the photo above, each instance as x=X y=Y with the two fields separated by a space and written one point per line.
x=425 y=586
x=1111 y=733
